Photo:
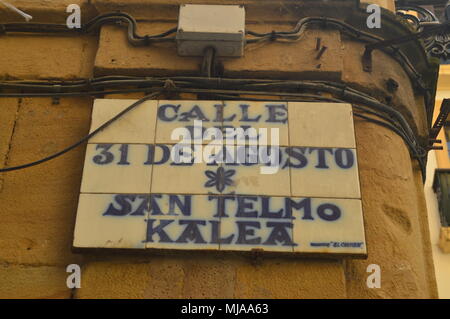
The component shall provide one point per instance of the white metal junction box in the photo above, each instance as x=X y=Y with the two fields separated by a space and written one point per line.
x=218 y=26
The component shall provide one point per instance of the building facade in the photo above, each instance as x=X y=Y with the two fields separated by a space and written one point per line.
x=435 y=192
x=49 y=80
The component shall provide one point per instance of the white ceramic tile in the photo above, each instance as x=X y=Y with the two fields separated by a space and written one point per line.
x=183 y=222
x=256 y=222
x=330 y=226
x=258 y=178
x=136 y=126
x=321 y=125
x=172 y=175
x=316 y=173
x=176 y=122
x=111 y=221
x=264 y=122
x=148 y=199
x=108 y=170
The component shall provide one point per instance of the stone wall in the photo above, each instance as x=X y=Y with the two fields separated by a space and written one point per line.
x=38 y=204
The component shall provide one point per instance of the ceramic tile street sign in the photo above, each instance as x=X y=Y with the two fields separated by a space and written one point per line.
x=276 y=176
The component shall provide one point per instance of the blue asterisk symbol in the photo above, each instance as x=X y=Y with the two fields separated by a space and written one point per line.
x=219 y=179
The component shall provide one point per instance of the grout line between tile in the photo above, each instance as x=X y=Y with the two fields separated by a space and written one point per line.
x=290 y=172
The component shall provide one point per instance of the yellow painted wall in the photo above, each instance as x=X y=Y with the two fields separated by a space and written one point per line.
x=439 y=159
x=441 y=259
x=442 y=157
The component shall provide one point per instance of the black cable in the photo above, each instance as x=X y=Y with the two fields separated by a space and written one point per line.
x=350 y=31
x=386 y=118
x=84 y=139
x=56 y=89
x=232 y=88
x=86 y=93
x=392 y=125
x=250 y=86
x=419 y=158
x=192 y=85
x=91 y=26
x=208 y=64
x=137 y=40
x=302 y=98
x=392 y=128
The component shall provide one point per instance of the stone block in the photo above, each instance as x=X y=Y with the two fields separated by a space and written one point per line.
x=266 y=59
x=38 y=204
x=27 y=56
x=159 y=278
x=33 y=282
